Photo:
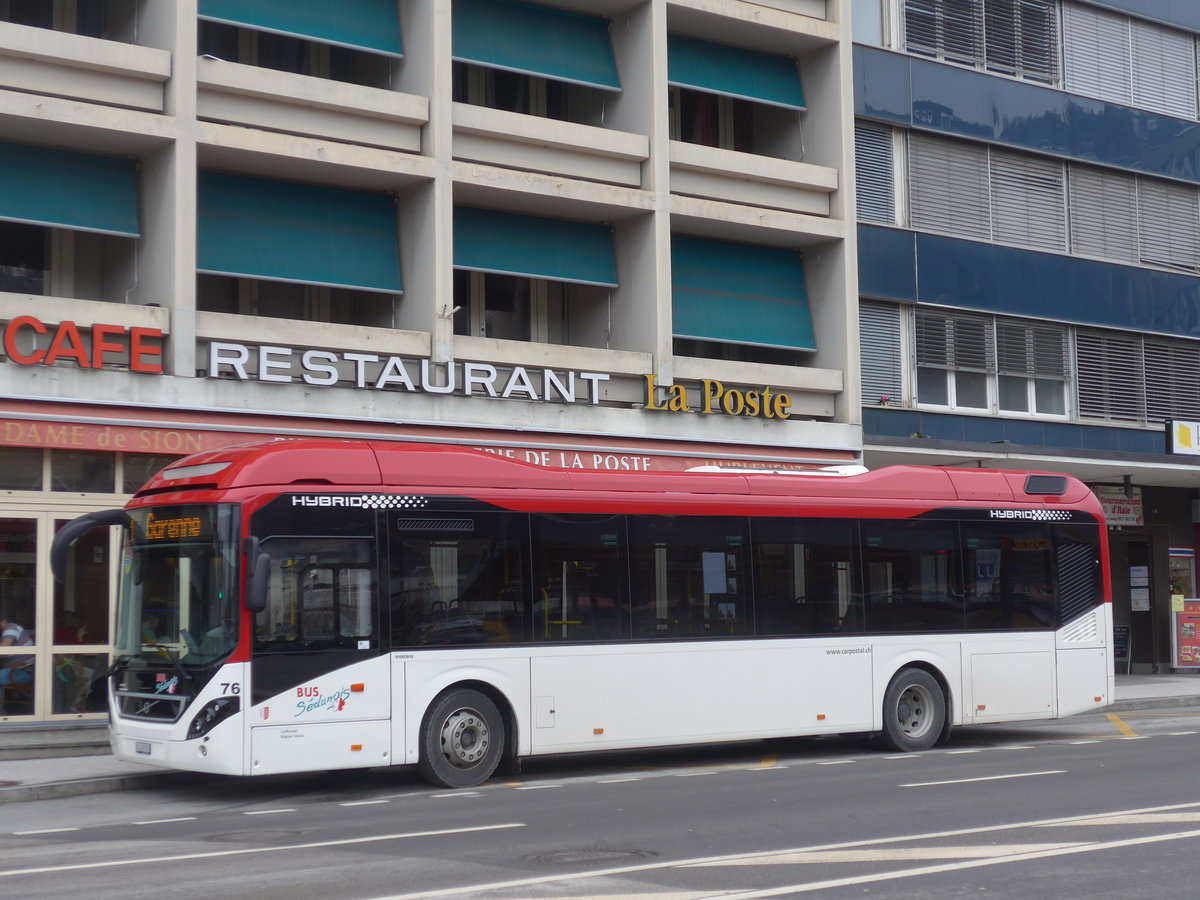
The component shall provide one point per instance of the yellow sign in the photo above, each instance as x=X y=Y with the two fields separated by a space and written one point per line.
x=715 y=397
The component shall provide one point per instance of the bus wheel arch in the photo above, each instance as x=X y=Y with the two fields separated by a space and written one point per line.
x=467 y=733
x=916 y=708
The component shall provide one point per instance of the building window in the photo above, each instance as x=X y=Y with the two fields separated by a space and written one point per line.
x=526 y=278
x=24 y=258
x=521 y=93
x=533 y=59
x=711 y=120
x=881 y=350
x=516 y=308
x=1137 y=379
x=734 y=98
x=1012 y=37
x=59 y=262
x=1122 y=60
x=978 y=363
x=110 y=19
x=288 y=53
x=303 y=302
x=874 y=168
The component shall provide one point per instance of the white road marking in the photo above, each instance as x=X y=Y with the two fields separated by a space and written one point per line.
x=165 y=821
x=362 y=802
x=959 y=752
x=836 y=762
x=266 y=812
x=895 y=854
x=805 y=888
x=1079 y=743
x=216 y=854
x=455 y=794
x=903 y=756
x=47 y=830
x=494 y=887
x=538 y=787
x=984 y=778
x=617 y=780
x=1179 y=733
x=1142 y=819
x=692 y=774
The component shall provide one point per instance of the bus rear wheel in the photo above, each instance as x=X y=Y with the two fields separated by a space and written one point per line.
x=462 y=739
x=914 y=711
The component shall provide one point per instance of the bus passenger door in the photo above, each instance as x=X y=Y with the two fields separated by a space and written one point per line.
x=320 y=684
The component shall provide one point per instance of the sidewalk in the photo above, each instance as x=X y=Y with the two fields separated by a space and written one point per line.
x=69 y=775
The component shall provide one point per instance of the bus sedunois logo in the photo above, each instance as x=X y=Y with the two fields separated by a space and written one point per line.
x=361 y=501
x=1033 y=515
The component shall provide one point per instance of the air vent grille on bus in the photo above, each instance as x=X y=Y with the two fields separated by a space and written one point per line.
x=1082 y=630
x=461 y=525
x=1077 y=590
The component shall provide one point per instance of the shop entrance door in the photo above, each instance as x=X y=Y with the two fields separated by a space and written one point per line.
x=68 y=624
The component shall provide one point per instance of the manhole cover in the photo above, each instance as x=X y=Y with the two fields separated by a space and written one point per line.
x=255 y=836
x=580 y=857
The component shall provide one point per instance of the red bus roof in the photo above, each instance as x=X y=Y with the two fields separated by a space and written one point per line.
x=315 y=463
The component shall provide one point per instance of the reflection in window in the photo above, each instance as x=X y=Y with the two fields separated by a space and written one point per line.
x=802 y=576
x=1010 y=576
x=79 y=470
x=689 y=577
x=291 y=54
x=140 y=468
x=81 y=597
x=913 y=576
x=459 y=579
x=320 y=594
x=20 y=469
x=578 y=577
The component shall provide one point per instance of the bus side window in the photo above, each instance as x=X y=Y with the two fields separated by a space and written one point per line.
x=320 y=595
x=914 y=579
x=803 y=576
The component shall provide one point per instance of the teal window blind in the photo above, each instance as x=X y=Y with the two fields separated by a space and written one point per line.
x=733 y=72
x=64 y=189
x=489 y=241
x=372 y=25
x=739 y=294
x=535 y=40
x=281 y=231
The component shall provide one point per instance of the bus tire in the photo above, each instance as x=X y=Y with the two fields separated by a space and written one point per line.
x=462 y=739
x=914 y=711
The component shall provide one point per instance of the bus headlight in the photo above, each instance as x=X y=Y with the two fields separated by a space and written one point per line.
x=210 y=714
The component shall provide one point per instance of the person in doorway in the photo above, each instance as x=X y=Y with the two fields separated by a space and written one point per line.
x=14 y=669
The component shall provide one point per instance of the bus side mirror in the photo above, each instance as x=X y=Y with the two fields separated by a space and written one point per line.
x=258 y=570
x=77 y=528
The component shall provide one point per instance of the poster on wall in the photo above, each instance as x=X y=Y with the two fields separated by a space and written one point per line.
x=1185 y=632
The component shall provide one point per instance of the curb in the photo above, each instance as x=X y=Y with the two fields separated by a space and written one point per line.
x=102 y=784
x=1153 y=703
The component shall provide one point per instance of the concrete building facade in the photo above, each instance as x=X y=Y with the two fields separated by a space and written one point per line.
x=588 y=233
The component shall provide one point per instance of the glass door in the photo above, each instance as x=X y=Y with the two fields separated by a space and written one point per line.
x=56 y=636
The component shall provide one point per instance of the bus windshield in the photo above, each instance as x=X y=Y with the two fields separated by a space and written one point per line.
x=178 y=596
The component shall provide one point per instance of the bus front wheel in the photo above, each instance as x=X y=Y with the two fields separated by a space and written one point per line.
x=914 y=711
x=462 y=740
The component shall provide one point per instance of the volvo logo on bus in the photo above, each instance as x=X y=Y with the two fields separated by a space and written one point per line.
x=1033 y=515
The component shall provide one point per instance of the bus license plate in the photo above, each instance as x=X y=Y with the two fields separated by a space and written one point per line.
x=142 y=747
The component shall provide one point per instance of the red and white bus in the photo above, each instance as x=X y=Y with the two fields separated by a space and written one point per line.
x=317 y=604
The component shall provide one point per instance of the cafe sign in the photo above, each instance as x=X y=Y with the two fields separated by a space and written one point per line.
x=28 y=341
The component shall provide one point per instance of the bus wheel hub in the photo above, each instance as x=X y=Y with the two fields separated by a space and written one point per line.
x=465 y=738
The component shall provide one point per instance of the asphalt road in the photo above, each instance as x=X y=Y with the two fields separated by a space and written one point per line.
x=1094 y=806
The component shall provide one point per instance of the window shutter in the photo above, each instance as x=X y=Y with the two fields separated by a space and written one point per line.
x=1111 y=378
x=955 y=341
x=1028 y=201
x=1096 y=60
x=1103 y=213
x=948 y=29
x=875 y=173
x=1172 y=380
x=882 y=359
x=1164 y=70
x=1022 y=38
x=948 y=186
x=1033 y=351
x=1170 y=224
